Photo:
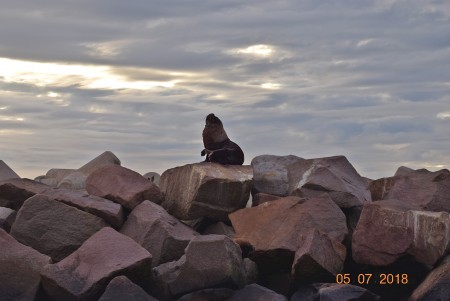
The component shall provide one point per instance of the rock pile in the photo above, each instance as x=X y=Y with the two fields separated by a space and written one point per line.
x=316 y=230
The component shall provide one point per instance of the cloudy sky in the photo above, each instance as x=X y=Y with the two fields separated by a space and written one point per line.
x=366 y=79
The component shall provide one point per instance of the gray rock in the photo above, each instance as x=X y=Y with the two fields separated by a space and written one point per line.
x=6 y=173
x=207 y=190
x=271 y=173
x=157 y=231
x=334 y=292
x=20 y=268
x=75 y=180
x=219 y=228
x=7 y=218
x=209 y=261
x=121 y=288
x=84 y=274
x=210 y=294
x=53 y=228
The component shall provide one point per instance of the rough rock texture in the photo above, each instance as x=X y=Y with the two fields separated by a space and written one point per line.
x=273 y=229
x=20 y=268
x=436 y=286
x=390 y=229
x=121 y=288
x=123 y=186
x=58 y=173
x=105 y=159
x=209 y=261
x=271 y=173
x=84 y=274
x=206 y=190
x=14 y=192
x=6 y=172
x=334 y=292
x=219 y=228
x=261 y=197
x=75 y=180
x=111 y=212
x=428 y=190
x=7 y=218
x=210 y=294
x=332 y=175
x=318 y=258
x=53 y=228
x=157 y=231
x=256 y=292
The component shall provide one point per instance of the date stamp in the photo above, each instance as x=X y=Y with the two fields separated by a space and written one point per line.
x=381 y=279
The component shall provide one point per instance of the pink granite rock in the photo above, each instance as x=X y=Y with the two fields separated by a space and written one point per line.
x=123 y=186
x=85 y=273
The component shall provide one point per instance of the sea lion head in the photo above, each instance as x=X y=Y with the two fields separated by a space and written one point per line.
x=213 y=133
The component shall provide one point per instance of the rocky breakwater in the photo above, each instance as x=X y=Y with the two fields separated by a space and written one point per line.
x=316 y=230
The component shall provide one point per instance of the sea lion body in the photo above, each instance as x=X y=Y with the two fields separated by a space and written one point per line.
x=218 y=147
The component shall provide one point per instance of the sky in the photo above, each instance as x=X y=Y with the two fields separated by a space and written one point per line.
x=369 y=80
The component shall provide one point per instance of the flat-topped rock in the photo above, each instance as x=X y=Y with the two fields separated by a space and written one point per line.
x=123 y=186
x=206 y=190
x=53 y=228
x=84 y=274
x=14 y=192
x=20 y=268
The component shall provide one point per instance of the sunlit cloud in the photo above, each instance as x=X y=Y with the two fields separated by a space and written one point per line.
x=13 y=133
x=391 y=147
x=365 y=42
x=256 y=50
x=105 y=49
x=60 y=75
x=271 y=86
x=443 y=115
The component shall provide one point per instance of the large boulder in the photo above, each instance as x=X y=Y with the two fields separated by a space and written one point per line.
x=209 y=261
x=53 y=228
x=84 y=274
x=109 y=211
x=256 y=292
x=206 y=190
x=209 y=294
x=272 y=230
x=334 y=292
x=14 y=192
x=318 y=258
x=20 y=268
x=332 y=175
x=436 y=285
x=430 y=191
x=271 y=173
x=123 y=186
x=121 y=288
x=157 y=231
x=390 y=229
x=6 y=173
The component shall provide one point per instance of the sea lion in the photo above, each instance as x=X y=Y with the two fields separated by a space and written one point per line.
x=218 y=147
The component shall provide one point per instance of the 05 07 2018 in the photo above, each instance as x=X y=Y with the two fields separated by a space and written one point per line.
x=381 y=279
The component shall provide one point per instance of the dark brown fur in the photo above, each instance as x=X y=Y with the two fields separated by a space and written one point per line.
x=218 y=147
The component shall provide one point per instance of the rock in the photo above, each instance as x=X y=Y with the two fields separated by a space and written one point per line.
x=436 y=285
x=121 y=288
x=210 y=294
x=20 y=268
x=219 y=228
x=261 y=198
x=256 y=292
x=334 y=292
x=390 y=229
x=273 y=229
x=7 y=218
x=210 y=261
x=47 y=181
x=53 y=228
x=105 y=159
x=75 y=180
x=123 y=186
x=332 y=175
x=318 y=258
x=14 y=192
x=271 y=175
x=109 y=211
x=206 y=190
x=84 y=274
x=6 y=173
x=158 y=232
x=58 y=173
x=430 y=191
x=153 y=177
x=382 y=235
